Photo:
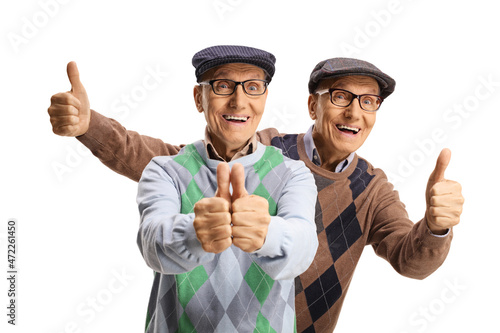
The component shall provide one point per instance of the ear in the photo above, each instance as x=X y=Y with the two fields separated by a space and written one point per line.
x=198 y=97
x=312 y=103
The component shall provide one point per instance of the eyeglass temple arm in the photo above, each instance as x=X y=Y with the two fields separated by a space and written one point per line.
x=321 y=92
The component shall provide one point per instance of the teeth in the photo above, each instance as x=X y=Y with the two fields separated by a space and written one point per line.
x=230 y=117
x=344 y=127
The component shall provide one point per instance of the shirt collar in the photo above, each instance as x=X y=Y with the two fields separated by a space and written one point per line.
x=249 y=148
x=312 y=152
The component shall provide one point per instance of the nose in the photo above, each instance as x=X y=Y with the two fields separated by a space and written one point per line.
x=354 y=110
x=238 y=98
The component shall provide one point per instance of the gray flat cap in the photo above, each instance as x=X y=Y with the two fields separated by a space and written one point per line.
x=225 y=54
x=337 y=67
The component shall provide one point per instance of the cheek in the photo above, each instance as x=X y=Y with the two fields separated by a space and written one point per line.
x=326 y=120
x=259 y=108
x=370 y=122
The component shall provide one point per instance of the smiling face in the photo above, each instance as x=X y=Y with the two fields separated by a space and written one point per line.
x=339 y=131
x=231 y=120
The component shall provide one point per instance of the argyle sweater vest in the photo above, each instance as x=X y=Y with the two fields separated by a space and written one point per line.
x=231 y=293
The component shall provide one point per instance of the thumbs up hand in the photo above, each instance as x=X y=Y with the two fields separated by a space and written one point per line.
x=70 y=111
x=250 y=216
x=212 y=221
x=443 y=197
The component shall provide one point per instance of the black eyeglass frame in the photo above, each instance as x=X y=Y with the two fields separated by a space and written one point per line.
x=358 y=97
x=236 y=83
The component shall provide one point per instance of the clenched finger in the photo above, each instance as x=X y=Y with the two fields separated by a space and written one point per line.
x=65 y=99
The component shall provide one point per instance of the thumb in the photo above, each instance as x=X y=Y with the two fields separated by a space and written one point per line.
x=223 y=180
x=238 y=181
x=442 y=163
x=74 y=78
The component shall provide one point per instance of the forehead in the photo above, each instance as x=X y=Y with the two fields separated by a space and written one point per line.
x=236 y=69
x=354 y=82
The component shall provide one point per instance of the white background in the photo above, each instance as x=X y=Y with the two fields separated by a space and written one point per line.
x=77 y=220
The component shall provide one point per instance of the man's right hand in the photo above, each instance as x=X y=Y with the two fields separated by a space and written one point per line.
x=70 y=111
x=212 y=221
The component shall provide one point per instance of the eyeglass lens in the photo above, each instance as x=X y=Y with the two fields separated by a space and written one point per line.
x=366 y=102
x=227 y=87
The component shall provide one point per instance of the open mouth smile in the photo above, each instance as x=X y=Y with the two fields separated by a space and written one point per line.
x=348 y=129
x=233 y=118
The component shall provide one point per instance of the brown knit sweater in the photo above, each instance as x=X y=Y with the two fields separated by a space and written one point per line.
x=355 y=207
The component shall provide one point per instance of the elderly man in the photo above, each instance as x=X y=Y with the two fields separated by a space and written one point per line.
x=356 y=204
x=224 y=261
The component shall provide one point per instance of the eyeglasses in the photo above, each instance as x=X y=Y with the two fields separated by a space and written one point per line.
x=344 y=98
x=227 y=87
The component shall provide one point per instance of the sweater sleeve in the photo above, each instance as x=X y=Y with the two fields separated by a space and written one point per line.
x=166 y=238
x=410 y=248
x=291 y=241
x=123 y=151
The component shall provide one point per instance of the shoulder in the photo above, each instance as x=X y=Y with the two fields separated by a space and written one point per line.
x=369 y=176
x=291 y=167
x=265 y=136
x=271 y=136
x=274 y=158
x=166 y=162
x=364 y=165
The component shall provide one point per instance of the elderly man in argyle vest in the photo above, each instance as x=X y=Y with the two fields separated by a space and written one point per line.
x=356 y=206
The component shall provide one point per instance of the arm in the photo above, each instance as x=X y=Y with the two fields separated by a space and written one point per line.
x=291 y=240
x=166 y=238
x=417 y=251
x=123 y=151
x=411 y=249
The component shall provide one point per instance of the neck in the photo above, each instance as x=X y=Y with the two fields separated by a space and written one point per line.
x=330 y=157
x=227 y=152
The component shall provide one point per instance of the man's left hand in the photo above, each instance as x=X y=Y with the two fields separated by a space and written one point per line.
x=444 y=198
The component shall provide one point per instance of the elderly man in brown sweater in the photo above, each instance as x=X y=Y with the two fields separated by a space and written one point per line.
x=356 y=205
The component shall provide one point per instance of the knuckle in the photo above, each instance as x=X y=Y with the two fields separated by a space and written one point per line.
x=200 y=206
x=73 y=120
x=235 y=217
x=261 y=233
x=226 y=231
x=197 y=223
x=237 y=242
x=227 y=218
x=63 y=130
x=433 y=211
x=262 y=200
x=236 y=205
x=267 y=219
x=224 y=204
x=54 y=121
x=54 y=98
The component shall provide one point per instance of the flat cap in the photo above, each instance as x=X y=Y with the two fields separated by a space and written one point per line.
x=337 y=67
x=225 y=54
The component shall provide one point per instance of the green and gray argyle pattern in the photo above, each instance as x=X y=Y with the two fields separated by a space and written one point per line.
x=231 y=293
